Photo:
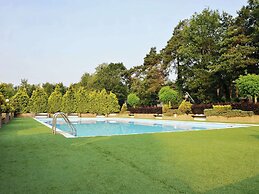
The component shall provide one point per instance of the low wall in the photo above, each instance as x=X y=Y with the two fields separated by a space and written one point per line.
x=87 y=115
x=179 y=117
x=25 y=115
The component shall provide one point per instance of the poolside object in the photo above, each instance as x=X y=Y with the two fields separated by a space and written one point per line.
x=67 y=121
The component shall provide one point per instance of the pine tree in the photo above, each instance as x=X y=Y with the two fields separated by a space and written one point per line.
x=39 y=101
x=82 y=101
x=54 y=101
x=69 y=101
x=20 y=101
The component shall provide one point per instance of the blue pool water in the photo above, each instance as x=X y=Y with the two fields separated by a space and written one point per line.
x=118 y=126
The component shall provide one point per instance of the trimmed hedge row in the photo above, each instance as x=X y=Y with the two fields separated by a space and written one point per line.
x=245 y=106
x=228 y=113
x=146 y=110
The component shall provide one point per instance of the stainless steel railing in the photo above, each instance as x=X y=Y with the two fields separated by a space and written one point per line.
x=63 y=115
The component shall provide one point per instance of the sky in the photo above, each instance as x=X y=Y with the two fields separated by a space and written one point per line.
x=59 y=40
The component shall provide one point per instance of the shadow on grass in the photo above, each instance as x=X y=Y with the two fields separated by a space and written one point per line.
x=249 y=185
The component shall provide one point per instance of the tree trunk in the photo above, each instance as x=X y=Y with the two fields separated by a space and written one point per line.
x=6 y=118
x=255 y=99
x=0 y=119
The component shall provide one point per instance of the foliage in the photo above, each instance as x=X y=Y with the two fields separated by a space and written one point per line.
x=248 y=85
x=124 y=108
x=55 y=100
x=133 y=100
x=168 y=95
x=20 y=101
x=101 y=103
x=48 y=88
x=82 y=101
x=28 y=87
x=222 y=107
x=69 y=101
x=185 y=107
x=7 y=90
x=113 y=105
x=110 y=77
x=39 y=101
x=146 y=80
x=2 y=103
x=172 y=112
x=227 y=113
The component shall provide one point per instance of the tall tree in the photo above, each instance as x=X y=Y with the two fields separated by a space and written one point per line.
x=20 y=101
x=54 y=100
x=112 y=78
x=82 y=101
x=7 y=90
x=69 y=101
x=192 y=50
x=39 y=101
x=49 y=88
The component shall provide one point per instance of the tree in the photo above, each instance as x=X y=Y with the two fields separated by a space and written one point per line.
x=39 y=101
x=113 y=105
x=112 y=78
x=20 y=101
x=2 y=104
x=54 y=101
x=248 y=85
x=49 y=88
x=28 y=87
x=192 y=50
x=82 y=101
x=7 y=90
x=69 y=101
x=133 y=100
x=168 y=95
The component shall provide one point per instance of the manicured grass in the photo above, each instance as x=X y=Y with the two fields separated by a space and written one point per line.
x=32 y=160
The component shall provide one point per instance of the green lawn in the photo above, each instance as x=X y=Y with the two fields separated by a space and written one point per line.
x=32 y=160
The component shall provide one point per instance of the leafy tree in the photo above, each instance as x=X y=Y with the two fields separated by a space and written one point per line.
x=147 y=79
x=168 y=95
x=192 y=50
x=62 y=88
x=133 y=100
x=113 y=105
x=49 y=88
x=93 y=102
x=39 y=101
x=82 y=101
x=69 y=101
x=123 y=108
x=54 y=101
x=2 y=103
x=112 y=78
x=7 y=90
x=185 y=107
x=20 y=101
x=249 y=85
x=28 y=87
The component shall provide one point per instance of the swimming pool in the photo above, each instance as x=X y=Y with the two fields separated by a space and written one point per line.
x=91 y=127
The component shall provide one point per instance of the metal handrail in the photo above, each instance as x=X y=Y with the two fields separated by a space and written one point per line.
x=54 y=123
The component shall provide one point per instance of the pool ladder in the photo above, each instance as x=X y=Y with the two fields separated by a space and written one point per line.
x=64 y=116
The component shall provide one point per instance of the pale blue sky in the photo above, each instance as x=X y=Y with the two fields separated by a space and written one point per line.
x=59 y=40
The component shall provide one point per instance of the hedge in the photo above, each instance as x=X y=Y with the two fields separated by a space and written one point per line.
x=245 y=106
x=146 y=110
x=228 y=113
